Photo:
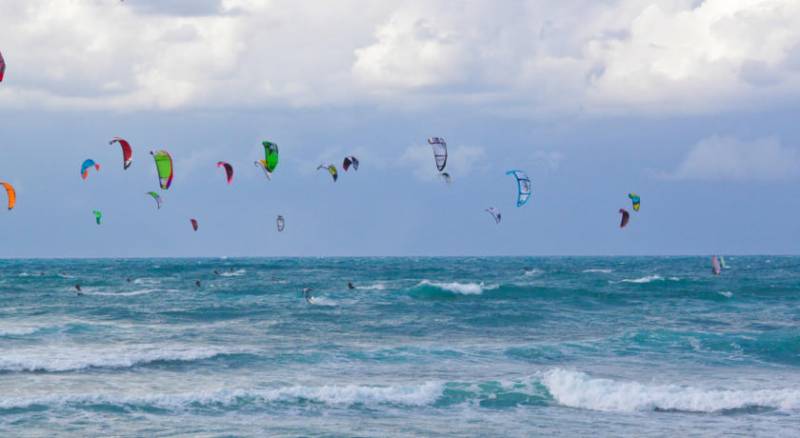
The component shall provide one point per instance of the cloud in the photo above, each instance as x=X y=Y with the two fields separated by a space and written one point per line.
x=533 y=57
x=461 y=161
x=725 y=158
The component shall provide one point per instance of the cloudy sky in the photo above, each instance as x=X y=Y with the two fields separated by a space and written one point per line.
x=692 y=104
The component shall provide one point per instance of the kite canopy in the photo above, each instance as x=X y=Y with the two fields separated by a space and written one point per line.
x=127 y=152
x=194 y=223
x=12 y=194
x=157 y=198
x=625 y=217
x=331 y=169
x=350 y=161
x=439 y=151
x=228 y=170
x=98 y=216
x=164 y=168
x=716 y=268
x=88 y=164
x=270 y=161
x=635 y=200
x=2 y=67
x=281 y=224
x=523 y=186
x=495 y=214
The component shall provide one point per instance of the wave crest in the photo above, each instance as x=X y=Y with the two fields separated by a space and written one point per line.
x=579 y=390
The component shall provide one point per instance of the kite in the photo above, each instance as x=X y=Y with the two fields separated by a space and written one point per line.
x=98 y=216
x=495 y=214
x=439 y=151
x=350 y=161
x=2 y=67
x=523 y=186
x=228 y=170
x=157 y=198
x=635 y=200
x=446 y=177
x=12 y=194
x=127 y=152
x=88 y=164
x=270 y=160
x=331 y=169
x=625 y=217
x=716 y=269
x=164 y=168
x=194 y=223
x=281 y=224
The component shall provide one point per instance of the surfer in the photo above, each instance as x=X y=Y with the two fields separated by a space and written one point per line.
x=307 y=294
x=197 y=283
x=350 y=285
x=78 y=289
x=216 y=272
x=128 y=279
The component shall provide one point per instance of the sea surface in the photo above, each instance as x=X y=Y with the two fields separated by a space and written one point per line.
x=511 y=347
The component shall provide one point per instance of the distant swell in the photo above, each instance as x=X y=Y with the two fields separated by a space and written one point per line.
x=61 y=359
x=579 y=390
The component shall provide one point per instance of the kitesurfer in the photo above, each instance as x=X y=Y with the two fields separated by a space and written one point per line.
x=350 y=285
x=197 y=283
x=307 y=294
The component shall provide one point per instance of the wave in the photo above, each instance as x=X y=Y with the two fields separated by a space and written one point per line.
x=458 y=288
x=648 y=279
x=60 y=359
x=376 y=286
x=726 y=293
x=597 y=271
x=236 y=273
x=532 y=272
x=124 y=294
x=322 y=301
x=579 y=390
x=343 y=396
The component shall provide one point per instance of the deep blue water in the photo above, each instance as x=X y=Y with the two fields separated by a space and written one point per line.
x=421 y=347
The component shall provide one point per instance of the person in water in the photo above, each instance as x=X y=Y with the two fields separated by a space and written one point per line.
x=216 y=272
x=307 y=294
x=197 y=283
x=78 y=290
x=128 y=280
x=350 y=285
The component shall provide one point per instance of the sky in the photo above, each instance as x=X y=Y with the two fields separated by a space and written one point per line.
x=691 y=104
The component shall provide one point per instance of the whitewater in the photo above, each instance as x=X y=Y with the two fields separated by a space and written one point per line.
x=564 y=346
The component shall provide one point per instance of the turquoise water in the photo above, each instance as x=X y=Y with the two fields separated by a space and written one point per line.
x=421 y=347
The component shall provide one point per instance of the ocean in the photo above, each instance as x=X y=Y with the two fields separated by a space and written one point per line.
x=512 y=347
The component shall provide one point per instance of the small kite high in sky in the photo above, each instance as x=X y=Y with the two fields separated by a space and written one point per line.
x=350 y=161
x=194 y=223
x=2 y=67
x=625 y=217
x=280 y=223
x=164 y=168
x=523 y=186
x=98 y=216
x=157 y=198
x=127 y=152
x=635 y=201
x=439 y=151
x=12 y=194
x=331 y=170
x=228 y=170
x=88 y=164
x=495 y=214
x=270 y=161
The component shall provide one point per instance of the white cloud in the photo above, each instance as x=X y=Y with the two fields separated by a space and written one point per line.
x=725 y=158
x=461 y=161
x=534 y=56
